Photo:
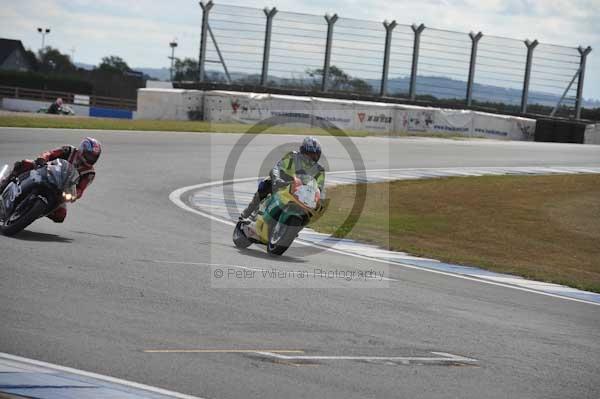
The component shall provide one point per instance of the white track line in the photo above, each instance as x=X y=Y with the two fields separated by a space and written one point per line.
x=175 y=197
x=444 y=357
x=101 y=377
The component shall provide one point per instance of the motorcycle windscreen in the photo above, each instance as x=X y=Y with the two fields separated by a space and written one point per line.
x=4 y=172
x=63 y=175
x=307 y=192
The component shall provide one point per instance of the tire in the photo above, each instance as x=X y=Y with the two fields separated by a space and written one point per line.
x=282 y=235
x=37 y=209
x=239 y=238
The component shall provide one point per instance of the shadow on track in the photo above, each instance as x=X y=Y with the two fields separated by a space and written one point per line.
x=261 y=254
x=27 y=235
x=98 y=235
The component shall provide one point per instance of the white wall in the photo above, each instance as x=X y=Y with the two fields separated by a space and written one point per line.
x=157 y=84
x=173 y=104
x=225 y=106
x=378 y=118
x=592 y=134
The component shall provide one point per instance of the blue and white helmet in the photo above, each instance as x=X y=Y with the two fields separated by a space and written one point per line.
x=89 y=151
x=310 y=145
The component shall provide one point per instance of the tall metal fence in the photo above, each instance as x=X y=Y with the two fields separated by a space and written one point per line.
x=287 y=50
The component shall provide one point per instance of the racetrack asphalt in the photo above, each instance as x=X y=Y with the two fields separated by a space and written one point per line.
x=126 y=274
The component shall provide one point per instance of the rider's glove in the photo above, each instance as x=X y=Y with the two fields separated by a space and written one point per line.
x=40 y=162
x=322 y=206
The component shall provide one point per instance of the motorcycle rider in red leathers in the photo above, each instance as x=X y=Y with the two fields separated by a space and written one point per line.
x=83 y=158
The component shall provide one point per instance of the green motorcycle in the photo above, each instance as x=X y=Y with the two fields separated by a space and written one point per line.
x=280 y=216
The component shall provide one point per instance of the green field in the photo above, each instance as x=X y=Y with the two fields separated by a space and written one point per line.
x=541 y=227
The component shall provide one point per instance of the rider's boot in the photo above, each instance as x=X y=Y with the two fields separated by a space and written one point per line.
x=252 y=206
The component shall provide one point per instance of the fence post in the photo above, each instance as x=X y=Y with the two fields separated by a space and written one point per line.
x=330 y=21
x=389 y=27
x=474 y=42
x=267 y=49
x=415 y=60
x=203 y=39
x=530 y=47
x=583 y=57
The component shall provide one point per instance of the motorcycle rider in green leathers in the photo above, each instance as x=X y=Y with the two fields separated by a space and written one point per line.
x=304 y=161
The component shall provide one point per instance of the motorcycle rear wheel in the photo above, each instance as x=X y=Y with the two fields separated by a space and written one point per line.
x=35 y=211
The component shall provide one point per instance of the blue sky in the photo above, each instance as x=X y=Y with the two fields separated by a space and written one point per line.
x=140 y=31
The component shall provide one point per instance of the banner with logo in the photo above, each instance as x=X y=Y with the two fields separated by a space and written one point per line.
x=251 y=108
x=223 y=106
x=296 y=111
x=503 y=126
x=413 y=120
x=376 y=118
x=453 y=121
x=337 y=112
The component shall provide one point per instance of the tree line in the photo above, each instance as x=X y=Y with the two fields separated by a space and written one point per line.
x=51 y=60
x=53 y=70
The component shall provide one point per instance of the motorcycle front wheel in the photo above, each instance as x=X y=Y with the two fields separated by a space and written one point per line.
x=16 y=223
x=281 y=235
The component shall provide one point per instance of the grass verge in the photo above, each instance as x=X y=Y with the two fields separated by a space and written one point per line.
x=69 y=122
x=151 y=125
x=540 y=227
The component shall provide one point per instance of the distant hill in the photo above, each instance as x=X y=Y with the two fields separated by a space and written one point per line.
x=154 y=73
x=439 y=87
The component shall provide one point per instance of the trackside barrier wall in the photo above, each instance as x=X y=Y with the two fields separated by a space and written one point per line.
x=169 y=104
x=592 y=134
x=378 y=118
x=383 y=118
